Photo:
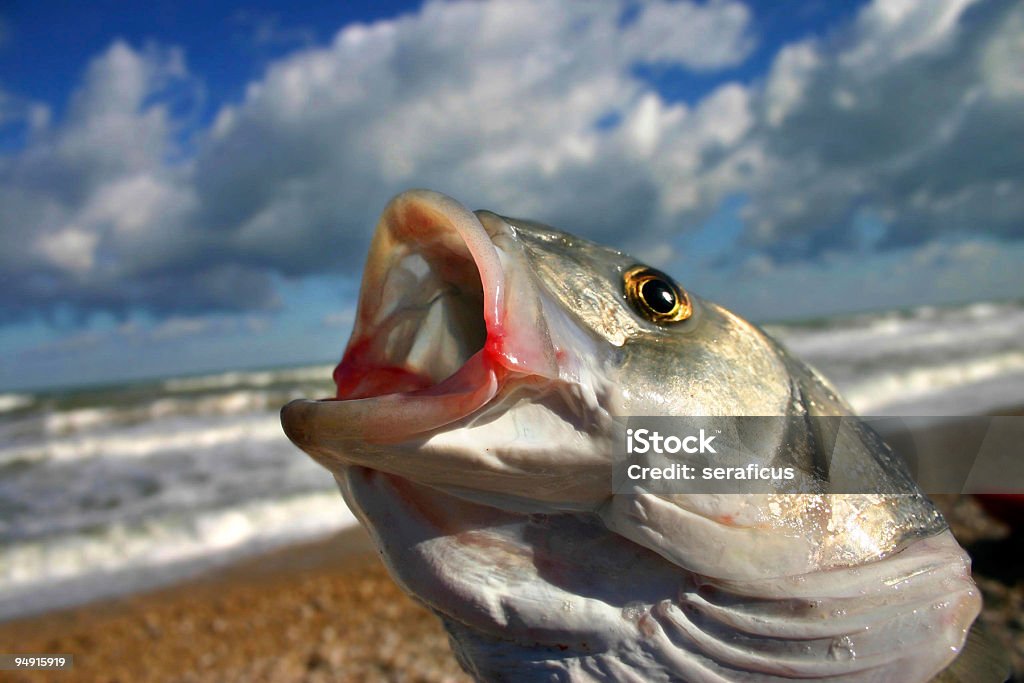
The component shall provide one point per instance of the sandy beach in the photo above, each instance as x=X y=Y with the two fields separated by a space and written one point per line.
x=323 y=611
x=129 y=489
x=327 y=611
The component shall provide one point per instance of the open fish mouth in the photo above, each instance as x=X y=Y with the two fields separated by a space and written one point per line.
x=443 y=323
x=452 y=330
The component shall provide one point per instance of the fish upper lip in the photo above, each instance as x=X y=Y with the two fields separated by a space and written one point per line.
x=384 y=398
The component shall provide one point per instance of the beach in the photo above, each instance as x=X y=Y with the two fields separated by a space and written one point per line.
x=166 y=530
x=318 y=611
x=327 y=611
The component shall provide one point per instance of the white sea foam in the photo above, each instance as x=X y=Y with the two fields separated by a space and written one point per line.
x=997 y=392
x=9 y=402
x=67 y=422
x=78 y=419
x=970 y=331
x=149 y=438
x=919 y=361
x=914 y=383
x=61 y=570
x=256 y=378
x=119 y=489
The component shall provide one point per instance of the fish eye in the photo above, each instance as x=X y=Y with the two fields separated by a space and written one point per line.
x=656 y=296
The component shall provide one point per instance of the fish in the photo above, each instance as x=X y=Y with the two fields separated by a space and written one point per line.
x=491 y=363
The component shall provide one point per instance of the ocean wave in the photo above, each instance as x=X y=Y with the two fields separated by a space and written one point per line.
x=61 y=570
x=915 y=383
x=121 y=486
x=12 y=402
x=973 y=331
x=148 y=438
x=252 y=378
x=46 y=424
x=883 y=321
x=79 y=419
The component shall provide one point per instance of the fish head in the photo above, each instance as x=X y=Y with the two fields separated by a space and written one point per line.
x=463 y=372
x=478 y=404
x=500 y=351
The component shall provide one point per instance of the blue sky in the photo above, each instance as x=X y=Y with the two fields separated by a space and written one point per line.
x=193 y=186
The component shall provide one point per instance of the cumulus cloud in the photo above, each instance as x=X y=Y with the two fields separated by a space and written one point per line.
x=699 y=37
x=910 y=115
x=493 y=103
x=913 y=114
x=96 y=214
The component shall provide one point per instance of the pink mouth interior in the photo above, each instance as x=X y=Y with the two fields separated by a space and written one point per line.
x=425 y=346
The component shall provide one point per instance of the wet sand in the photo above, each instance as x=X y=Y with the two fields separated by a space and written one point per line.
x=323 y=611
x=327 y=611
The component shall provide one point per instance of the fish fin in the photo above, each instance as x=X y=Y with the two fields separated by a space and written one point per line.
x=982 y=660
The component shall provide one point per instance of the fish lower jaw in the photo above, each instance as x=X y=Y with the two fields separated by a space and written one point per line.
x=533 y=446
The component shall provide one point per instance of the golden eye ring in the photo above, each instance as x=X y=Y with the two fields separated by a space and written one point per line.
x=656 y=296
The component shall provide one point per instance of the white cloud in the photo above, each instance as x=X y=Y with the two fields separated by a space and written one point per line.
x=788 y=80
x=724 y=117
x=892 y=115
x=15 y=110
x=948 y=271
x=647 y=122
x=93 y=212
x=132 y=204
x=701 y=37
x=72 y=249
x=911 y=113
x=1002 y=65
x=494 y=103
x=895 y=30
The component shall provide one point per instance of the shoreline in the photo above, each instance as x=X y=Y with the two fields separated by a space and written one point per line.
x=326 y=610
x=316 y=611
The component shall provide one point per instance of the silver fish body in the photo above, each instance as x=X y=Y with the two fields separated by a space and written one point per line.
x=478 y=401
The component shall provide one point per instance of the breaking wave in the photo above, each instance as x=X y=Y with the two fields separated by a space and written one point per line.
x=64 y=569
x=957 y=360
x=10 y=402
x=119 y=488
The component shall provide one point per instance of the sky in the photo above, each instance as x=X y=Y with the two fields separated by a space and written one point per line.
x=193 y=187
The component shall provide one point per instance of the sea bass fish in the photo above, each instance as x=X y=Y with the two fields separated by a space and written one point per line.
x=478 y=400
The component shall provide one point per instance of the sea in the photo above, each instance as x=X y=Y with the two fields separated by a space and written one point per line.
x=114 y=489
